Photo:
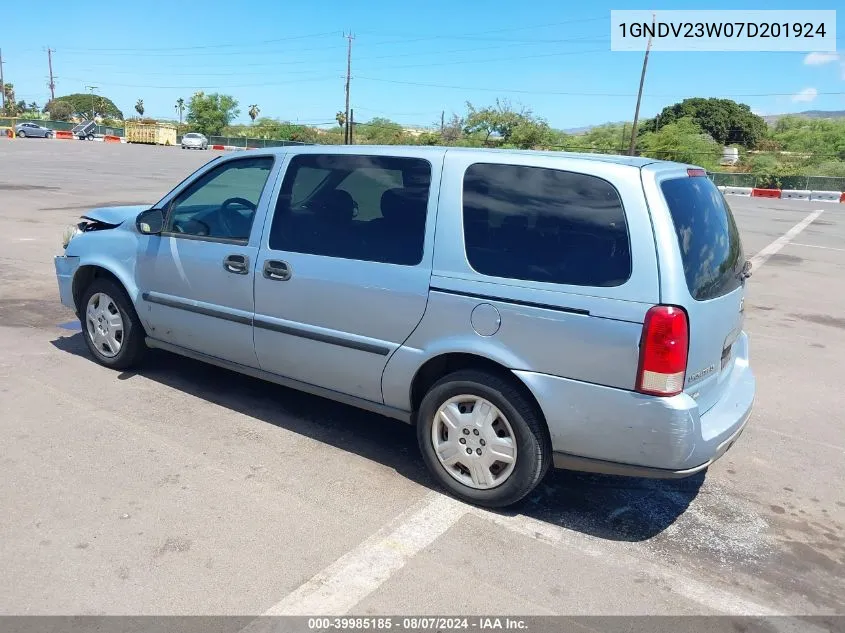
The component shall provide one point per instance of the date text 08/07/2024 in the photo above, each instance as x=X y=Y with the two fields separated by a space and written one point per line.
x=416 y=623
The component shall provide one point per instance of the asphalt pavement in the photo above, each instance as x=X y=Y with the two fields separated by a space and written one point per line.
x=187 y=489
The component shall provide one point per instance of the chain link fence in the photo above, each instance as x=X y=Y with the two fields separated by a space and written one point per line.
x=241 y=141
x=770 y=181
x=59 y=126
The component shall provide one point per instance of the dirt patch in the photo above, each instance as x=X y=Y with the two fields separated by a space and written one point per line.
x=823 y=319
x=39 y=313
x=781 y=259
x=9 y=187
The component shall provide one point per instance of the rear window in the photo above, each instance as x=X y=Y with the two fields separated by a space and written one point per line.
x=547 y=225
x=707 y=236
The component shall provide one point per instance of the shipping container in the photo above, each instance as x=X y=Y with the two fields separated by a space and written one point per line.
x=150 y=133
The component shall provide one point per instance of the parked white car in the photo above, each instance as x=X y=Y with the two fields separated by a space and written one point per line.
x=194 y=140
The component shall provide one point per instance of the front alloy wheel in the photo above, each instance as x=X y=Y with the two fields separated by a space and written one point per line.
x=104 y=324
x=110 y=326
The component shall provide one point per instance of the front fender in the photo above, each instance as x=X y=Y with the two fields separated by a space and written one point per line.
x=112 y=250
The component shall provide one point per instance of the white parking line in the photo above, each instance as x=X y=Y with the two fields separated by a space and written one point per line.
x=694 y=590
x=355 y=575
x=760 y=258
x=339 y=587
x=827 y=248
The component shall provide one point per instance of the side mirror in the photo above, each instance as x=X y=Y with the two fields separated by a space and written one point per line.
x=150 y=222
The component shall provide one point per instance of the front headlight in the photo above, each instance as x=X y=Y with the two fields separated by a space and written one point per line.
x=70 y=233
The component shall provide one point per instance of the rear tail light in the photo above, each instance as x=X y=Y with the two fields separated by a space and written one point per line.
x=663 y=351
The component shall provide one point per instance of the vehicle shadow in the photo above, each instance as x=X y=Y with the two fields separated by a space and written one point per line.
x=608 y=507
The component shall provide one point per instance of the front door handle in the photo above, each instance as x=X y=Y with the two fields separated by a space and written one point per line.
x=276 y=270
x=237 y=264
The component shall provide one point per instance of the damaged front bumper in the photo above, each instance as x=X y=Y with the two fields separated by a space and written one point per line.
x=66 y=267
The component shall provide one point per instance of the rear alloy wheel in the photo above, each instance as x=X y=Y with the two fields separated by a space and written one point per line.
x=482 y=438
x=110 y=325
x=21 y=134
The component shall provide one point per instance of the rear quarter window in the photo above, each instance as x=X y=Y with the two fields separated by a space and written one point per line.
x=711 y=249
x=547 y=225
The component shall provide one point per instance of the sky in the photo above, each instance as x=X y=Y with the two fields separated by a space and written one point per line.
x=410 y=60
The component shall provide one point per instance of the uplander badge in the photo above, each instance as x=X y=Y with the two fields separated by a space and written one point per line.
x=701 y=374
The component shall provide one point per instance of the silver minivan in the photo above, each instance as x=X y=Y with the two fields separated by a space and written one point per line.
x=521 y=309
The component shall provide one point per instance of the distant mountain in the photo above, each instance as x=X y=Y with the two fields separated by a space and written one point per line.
x=807 y=114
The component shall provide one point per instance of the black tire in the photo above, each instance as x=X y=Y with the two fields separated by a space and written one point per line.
x=90 y=137
x=534 y=451
x=21 y=134
x=133 y=346
x=48 y=135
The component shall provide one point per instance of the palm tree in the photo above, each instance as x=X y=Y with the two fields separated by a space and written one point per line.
x=340 y=117
x=139 y=107
x=253 y=112
x=180 y=106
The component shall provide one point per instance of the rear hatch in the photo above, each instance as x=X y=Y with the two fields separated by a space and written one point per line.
x=705 y=244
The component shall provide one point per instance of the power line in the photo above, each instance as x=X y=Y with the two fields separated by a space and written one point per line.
x=210 y=87
x=205 y=46
x=572 y=94
x=497 y=59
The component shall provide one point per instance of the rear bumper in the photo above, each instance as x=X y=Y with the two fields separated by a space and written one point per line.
x=602 y=429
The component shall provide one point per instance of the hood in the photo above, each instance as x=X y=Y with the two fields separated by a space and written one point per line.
x=115 y=215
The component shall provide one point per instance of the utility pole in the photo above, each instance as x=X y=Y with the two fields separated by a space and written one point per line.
x=92 y=89
x=2 y=83
x=640 y=93
x=52 y=83
x=442 y=122
x=351 y=126
x=348 y=136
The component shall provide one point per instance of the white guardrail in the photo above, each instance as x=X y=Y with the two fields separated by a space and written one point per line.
x=794 y=194
x=825 y=196
x=738 y=191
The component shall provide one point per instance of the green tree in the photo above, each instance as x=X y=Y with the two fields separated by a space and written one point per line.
x=253 y=112
x=682 y=141
x=611 y=138
x=518 y=128
x=452 y=129
x=727 y=121
x=180 y=107
x=340 y=117
x=59 y=110
x=80 y=105
x=9 y=93
x=823 y=138
x=139 y=107
x=210 y=113
x=380 y=131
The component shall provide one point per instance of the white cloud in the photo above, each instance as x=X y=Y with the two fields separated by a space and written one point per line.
x=808 y=94
x=817 y=59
